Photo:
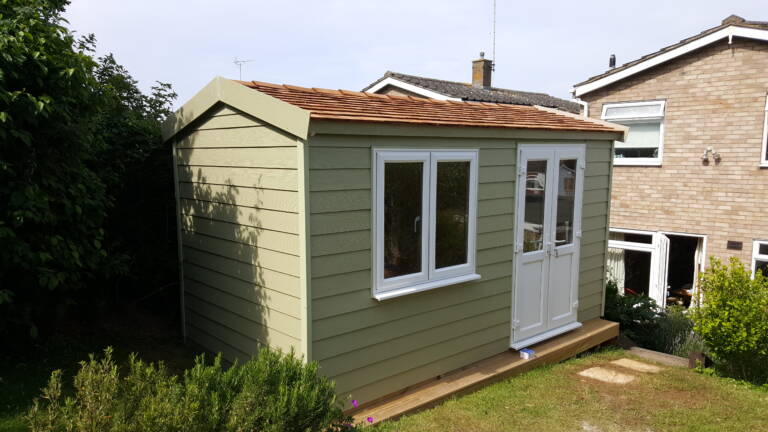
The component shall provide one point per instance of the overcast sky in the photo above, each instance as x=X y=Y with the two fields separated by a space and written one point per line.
x=541 y=45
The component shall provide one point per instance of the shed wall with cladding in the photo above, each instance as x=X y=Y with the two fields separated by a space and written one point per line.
x=239 y=217
x=373 y=348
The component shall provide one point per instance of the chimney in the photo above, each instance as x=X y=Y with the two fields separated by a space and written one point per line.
x=481 y=72
x=612 y=61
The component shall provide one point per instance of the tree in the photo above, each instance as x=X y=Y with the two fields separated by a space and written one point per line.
x=72 y=129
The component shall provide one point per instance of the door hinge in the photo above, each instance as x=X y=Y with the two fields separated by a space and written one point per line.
x=582 y=165
x=515 y=324
x=518 y=247
x=577 y=234
x=576 y=304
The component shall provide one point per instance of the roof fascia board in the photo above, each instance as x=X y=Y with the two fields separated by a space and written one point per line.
x=282 y=115
x=409 y=87
x=337 y=127
x=621 y=129
x=728 y=32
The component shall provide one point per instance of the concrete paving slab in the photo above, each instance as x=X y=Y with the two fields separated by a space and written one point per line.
x=607 y=375
x=636 y=365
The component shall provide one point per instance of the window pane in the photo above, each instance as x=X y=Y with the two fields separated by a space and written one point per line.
x=535 y=190
x=635 y=111
x=642 y=136
x=566 y=194
x=630 y=237
x=762 y=249
x=452 y=219
x=636 y=153
x=761 y=266
x=402 y=218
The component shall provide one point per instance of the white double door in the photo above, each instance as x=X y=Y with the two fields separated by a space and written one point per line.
x=547 y=242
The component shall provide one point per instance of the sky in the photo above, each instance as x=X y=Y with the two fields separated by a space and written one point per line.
x=544 y=46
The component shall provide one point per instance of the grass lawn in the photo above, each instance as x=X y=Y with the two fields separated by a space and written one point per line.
x=555 y=398
x=23 y=375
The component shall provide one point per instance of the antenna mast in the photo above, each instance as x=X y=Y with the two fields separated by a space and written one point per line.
x=240 y=64
x=493 y=53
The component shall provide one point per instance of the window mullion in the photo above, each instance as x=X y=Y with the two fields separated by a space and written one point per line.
x=431 y=196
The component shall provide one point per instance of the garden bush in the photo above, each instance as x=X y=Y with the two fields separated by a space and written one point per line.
x=272 y=392
x=733 y=319
x=643 y=321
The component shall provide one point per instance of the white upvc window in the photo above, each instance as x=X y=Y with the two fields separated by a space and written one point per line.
x=764 y=155
x=644 y=144
x=424 y=218
x=760 y=257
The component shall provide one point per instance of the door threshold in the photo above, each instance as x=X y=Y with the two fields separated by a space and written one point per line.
x=546 y=335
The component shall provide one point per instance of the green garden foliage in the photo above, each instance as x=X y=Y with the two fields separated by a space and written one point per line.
x=79 y=170
x=650 y=326
x=273 y=392
x=733 y=319
x=637 y=315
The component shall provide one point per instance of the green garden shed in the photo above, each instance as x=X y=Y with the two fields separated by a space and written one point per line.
x=392 y=239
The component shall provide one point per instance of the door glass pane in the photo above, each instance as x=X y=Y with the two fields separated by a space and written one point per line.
x=630 y=269
x=761 y=266
x=566 y=197
x=452 y=213
x=402 y=218
x=535 y=191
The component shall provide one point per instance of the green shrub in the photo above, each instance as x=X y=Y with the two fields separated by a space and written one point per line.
x=272 y=392
x=641 y=319
x=733 y=319
x=637 y=315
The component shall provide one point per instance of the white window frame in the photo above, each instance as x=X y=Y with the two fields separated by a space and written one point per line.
x=429 y=277
x=756 y=256
x=628 y=121
x=764 y=151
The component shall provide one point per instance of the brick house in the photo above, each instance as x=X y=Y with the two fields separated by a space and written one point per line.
x=690 y=180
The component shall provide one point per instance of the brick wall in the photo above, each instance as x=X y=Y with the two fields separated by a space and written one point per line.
x=715 y=97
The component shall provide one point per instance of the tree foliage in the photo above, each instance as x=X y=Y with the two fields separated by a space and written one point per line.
x=72 y=129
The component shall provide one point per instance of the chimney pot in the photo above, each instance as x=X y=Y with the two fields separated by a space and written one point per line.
x=612 y=61
x=482 y=69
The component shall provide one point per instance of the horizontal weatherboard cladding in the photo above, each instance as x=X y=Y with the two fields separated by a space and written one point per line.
x=239 y=209
x=373 y=348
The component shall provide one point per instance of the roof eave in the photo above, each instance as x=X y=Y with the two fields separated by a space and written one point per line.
x=729 y=32
x=282 y=115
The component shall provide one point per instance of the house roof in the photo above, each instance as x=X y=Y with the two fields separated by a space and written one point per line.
x=731 y=26
x=369 y=107
x=467 y=92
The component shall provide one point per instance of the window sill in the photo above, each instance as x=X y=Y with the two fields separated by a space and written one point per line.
x=764 y=165
x=426 y=286
x=621 y=162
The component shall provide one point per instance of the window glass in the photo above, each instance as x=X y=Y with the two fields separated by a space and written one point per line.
x=566 y=195
x=535 y=191
x=452 y=204
x=402 y=218
x=631 y=237
x=634 y=111
x=762 y=249
x=642 y=140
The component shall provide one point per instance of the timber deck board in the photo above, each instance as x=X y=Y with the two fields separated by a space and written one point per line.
x=484 y=372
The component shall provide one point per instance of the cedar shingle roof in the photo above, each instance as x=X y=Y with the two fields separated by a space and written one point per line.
x=368 y=107
x=467 y=92
x=732 y=20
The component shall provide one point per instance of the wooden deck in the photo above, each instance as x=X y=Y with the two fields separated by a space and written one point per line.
x=484 y=372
